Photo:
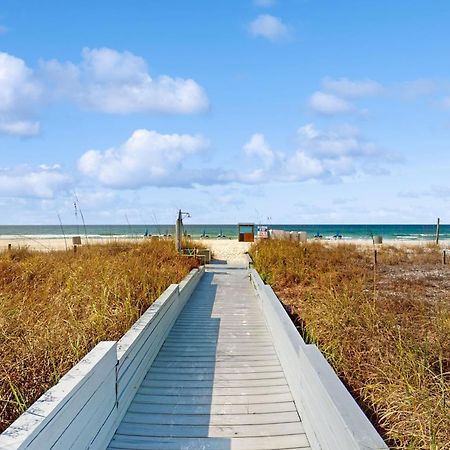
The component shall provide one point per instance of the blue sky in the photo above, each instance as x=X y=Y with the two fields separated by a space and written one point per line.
x=305 y=111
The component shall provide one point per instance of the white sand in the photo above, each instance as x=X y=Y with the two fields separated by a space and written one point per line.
x=229 y=250
x=47 y=244
x=223 y=249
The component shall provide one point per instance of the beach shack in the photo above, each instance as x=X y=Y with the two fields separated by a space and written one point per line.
x=246 y=232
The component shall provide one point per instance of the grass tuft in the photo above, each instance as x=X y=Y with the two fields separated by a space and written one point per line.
x=385 y=329
x=56 y=306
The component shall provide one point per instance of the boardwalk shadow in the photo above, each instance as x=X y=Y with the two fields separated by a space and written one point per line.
x=174 y=404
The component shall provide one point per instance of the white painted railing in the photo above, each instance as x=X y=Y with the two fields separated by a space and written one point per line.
x=137 y=349
x=85 y=407
x=331 y=417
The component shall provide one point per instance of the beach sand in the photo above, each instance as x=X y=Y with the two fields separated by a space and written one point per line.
x=230 y=250
x=223 y=249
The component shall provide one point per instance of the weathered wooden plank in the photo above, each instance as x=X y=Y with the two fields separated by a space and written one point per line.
x=242 y=368
x=142 y=429
x=219 y=351
x=296 y=441
x=92 y=416
x=186 y=363
x=211 y=376
x=254 y=409
x=266 y=443
x=220 y=335
x=215 y=383
x=216 y=359
x=215 y=400
x=167 y=443
x=212 y=419
x=224 y=341
x=214 y=391
x=220 y=346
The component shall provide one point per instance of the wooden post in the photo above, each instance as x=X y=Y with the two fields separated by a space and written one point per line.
x=437 y=230
x=178 y=231
x=74 y=248
x=444 y=257
x=375 y=257
x=9 y=247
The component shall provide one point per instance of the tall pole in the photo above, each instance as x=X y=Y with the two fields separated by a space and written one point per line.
x=178 y=231
x=437 y=230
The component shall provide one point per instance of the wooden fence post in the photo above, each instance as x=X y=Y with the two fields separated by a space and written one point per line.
x=437 y=230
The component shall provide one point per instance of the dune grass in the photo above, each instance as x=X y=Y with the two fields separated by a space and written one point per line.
x=56 y=306
x=385 y=329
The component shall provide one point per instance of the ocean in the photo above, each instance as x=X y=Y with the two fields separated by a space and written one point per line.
x=424 y=232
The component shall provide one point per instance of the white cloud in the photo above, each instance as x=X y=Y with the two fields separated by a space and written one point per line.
x=259 y=147
x=301 y=167
x=147 y=158
x=341 y=141
x=19 y=94
x=39 y=182
x=352 y=88
x=324 y=155
x=23 y=128
x=329 y=104
x=264 y=3
x=119 y=82
x=269 y=27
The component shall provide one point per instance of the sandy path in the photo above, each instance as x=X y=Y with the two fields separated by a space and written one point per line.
x=229 y=250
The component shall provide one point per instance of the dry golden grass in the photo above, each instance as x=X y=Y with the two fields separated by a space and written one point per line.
x=55 y=307
x=385 y=330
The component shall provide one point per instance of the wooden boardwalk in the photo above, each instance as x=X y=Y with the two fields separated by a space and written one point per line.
x=217 y=382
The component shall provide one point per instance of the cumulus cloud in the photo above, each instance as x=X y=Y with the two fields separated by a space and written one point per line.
x=352 y=88
x=19 y=95
x=147 y=158
x=119 y=82
x=42 y=182
x=341 y=141
x=258 y=146
x=269 y=27
x=325 y=155
x=105 y=80
x=329 y=104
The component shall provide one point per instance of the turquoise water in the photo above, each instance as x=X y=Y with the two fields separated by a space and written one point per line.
x=362 y=231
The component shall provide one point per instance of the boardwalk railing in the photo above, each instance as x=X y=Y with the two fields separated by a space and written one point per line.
x=88 y=403
x=331 y=417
